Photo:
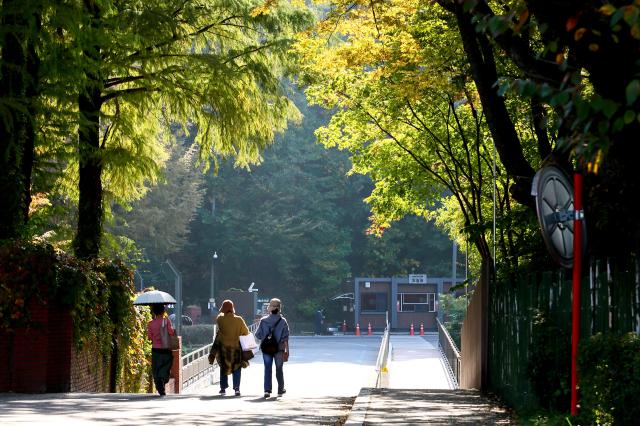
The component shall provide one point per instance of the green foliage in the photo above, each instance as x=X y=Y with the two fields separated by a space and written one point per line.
x=549 y=363
x=159 y=222
x=295 y=225
x=454 y=309
x=609 y=371
x=196 y=336
x=543 y=418
x=25 y=269
x=211 y=67
x=409 y=116
x=98 y=296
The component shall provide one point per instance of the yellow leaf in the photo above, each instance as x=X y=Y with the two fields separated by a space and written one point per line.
x=579 y=33
x=594 y=47
x=608 y=9
x=635 y=31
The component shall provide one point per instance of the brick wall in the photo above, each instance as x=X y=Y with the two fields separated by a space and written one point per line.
x=89 y=372
x=26 y=354
x=42 y=358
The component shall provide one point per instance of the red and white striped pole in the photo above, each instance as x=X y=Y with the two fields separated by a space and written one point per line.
x=577 y=275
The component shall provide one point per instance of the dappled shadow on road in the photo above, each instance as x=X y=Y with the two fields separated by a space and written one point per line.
x=119 y=409
x=434 y=407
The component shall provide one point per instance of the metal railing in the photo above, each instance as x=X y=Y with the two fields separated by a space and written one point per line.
x=383 y=355
x=450 y=352
x=195 y=364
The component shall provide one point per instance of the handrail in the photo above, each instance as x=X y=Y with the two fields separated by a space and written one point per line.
x=195 y=364
x=383 y=354
x=450 y=352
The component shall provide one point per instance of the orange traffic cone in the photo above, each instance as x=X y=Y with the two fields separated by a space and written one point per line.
x=411 y=330
x=369 y=330
x=358 y=329
x=344 y=326
x=422 y=329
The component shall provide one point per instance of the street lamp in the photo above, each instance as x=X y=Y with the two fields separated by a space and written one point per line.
x=212 y=301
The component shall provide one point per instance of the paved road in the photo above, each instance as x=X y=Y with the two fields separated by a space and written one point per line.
x=323 y=378
x=319 y=367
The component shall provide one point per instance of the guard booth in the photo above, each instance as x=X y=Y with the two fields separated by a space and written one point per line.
x=410 y=300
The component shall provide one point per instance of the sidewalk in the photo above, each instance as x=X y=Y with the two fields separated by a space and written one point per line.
x=176 y=410
x=421 y=391
x=416 y=363
x=425 y=406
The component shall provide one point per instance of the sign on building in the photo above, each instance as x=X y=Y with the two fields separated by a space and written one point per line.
x=417 y=278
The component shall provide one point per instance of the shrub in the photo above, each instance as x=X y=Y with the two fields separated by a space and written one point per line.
x=609 y=372
x=550 y=363
x=197 y=335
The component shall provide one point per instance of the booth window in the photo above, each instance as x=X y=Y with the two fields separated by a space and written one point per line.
x=416 y=302
x=374 y=302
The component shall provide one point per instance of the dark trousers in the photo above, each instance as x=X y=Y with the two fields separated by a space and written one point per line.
x=224 y=379
x=268 y=370
x=161 y=361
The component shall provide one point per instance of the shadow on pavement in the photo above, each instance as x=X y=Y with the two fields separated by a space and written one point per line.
x=121 y=409
x=434 y=407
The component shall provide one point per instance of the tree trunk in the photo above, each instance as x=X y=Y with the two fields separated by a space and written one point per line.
x=13 y=183
x=483 y=68
x=90 y=213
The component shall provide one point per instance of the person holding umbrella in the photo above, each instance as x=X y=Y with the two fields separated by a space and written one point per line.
x=158 y=330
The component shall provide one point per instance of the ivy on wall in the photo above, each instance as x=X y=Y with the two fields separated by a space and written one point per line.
x=98 y=295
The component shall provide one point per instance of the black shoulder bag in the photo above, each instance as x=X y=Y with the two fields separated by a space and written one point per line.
x=269 y=344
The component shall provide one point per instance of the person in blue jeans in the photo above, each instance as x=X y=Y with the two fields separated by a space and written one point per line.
x=274 y=323
x=226 y=347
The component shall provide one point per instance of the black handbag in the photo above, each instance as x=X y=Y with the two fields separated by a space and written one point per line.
x=247 y=355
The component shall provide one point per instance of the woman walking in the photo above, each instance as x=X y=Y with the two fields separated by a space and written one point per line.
x=274 y=325
x=227 y=345
x=161 y=354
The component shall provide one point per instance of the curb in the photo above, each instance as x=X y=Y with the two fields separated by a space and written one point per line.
x=360 y=407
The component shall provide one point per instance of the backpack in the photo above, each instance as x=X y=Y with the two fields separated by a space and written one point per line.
x=269 y=344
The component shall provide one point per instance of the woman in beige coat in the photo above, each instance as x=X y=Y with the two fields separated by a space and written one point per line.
x=227 y=346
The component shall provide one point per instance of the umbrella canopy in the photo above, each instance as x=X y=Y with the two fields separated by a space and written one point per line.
x=153 y=297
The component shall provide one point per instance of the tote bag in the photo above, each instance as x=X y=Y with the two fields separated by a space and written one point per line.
x=248 y=342
x=168 y=341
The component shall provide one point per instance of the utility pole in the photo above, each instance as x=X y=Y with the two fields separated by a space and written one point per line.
x=178 y=309
x=212 y=300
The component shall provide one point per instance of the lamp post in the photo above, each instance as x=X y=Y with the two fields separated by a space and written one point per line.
x=212 y=300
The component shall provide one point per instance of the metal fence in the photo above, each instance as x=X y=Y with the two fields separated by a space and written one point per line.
x=610 y=302
x=383 y=355
x=195 y=365
x=450 y=352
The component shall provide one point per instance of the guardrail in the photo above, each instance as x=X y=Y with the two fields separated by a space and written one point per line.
x=450 y=352
x=383 y=355
x=195 y=364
